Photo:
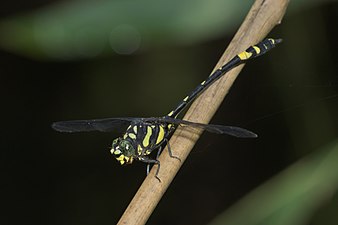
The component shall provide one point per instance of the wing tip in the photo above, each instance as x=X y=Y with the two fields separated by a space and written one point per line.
x=253 y=135
x=59 y=127
x=246 y=134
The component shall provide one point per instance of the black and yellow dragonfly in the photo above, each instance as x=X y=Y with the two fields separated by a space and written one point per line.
x=144 y=135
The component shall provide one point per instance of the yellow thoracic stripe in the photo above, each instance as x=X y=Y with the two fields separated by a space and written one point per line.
x=160 y=135
x=147 y=136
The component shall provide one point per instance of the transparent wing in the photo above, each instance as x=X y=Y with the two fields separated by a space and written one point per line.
x=103 y=125
x=218 y=129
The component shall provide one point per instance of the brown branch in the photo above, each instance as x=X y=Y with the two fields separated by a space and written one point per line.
x=262 y=17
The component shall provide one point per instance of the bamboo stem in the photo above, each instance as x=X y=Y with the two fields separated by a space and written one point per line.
x=262 y=17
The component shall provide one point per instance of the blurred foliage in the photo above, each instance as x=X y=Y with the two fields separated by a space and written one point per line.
x=83 y=28
x=292 y=196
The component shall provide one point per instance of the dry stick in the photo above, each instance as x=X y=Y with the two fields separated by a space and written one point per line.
x=262 y=17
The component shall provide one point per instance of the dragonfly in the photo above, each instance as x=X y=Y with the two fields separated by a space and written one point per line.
x=142 y=136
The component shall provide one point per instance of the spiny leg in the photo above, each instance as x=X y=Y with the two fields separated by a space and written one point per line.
x=151 y=161
x=159 y=152
x=169 y=151
x=157 y=156
x=157 y=161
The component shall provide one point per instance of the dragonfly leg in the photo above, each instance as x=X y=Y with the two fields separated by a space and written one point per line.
x=170 y=152
x=159 y=151
x=151 y=161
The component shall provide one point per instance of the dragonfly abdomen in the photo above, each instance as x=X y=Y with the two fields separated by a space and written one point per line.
x=250 y=53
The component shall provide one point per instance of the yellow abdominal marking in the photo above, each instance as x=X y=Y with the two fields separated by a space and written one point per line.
x=147 y=137
x=186 y=98
x=244 y=55
x=258 y=50
x=135 y=129
x=171 y=113
x=160 y=135
x=203 y=83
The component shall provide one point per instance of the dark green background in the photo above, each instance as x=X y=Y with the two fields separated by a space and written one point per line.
x=288 y=97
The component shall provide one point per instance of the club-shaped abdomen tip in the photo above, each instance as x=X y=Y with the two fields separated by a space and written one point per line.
x=279 y=40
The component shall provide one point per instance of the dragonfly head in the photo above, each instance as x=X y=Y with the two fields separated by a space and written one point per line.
x=123 y=151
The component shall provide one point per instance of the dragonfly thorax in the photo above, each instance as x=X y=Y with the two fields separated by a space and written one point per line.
x=123 y=151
